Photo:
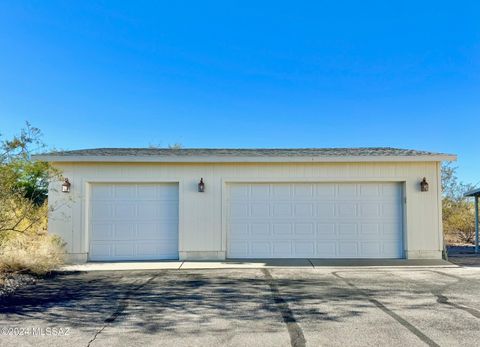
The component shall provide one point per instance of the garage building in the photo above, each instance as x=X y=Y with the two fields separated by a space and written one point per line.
x=213 y=204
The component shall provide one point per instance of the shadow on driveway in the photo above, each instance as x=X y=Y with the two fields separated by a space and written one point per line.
x=163 y=300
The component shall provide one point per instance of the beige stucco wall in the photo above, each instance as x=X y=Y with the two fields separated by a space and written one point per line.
x=202 y=231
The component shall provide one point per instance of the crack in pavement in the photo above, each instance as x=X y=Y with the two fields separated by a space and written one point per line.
x=311 y=263
x=392 y=314
x=122 y=305
x=297 y=339
x=443 y=299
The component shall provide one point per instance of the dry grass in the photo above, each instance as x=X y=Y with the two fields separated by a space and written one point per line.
x=37 y=253
x=452 y=239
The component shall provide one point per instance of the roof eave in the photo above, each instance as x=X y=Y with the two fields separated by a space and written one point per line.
x=473 y=192
x=246 y=159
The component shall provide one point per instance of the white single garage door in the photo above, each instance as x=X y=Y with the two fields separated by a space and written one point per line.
x=133 y=221
x=317 y=220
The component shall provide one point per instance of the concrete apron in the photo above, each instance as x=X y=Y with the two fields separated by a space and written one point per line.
x=257 y=264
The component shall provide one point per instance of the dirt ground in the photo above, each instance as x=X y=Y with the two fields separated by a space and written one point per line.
x=463 y=255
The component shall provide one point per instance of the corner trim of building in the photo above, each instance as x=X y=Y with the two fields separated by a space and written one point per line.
x=76 y=258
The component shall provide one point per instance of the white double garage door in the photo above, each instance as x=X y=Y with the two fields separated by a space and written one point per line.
x=264 y=220
x=315 y=220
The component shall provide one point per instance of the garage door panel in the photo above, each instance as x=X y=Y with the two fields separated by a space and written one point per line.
x=125 y=192
x=151 y=231
x=326 y=231
x=167 y=210
x=146 y=192
x=347 y=231
x=148 y=210
x=392 y=211
x=280 y=249
x=102 y=249
x=239 y=192
x=261 y=248
x=103 y=210
x=325 y=210
x=326 y=249
x=303 y=210
x=240 y=230
x=124 y=249
x=124 y=210
x=282 y=210
x=390 y=247
x=238 y=249
x=369 y=231
x=391 y=231
x=305 y=230
x=149 y=250
x=282 y=229
x=239 y=210
x=303 y=191
x=146 y=249
x=323 y=220
x=261 y=192
x=347 y=249
x=260 y=229
x=167 y=230
x=390 y=190
x=167 y=192
x=369 y=210
x=304 y=249
x=102 y=193
x=102 y=231
x=325 y=190
x=346 y=191
x=346 y=210
x=370 y=249
x=280 y=192
x=125 y=231
x=369 y=190
x=133 y=221
x=259 y=210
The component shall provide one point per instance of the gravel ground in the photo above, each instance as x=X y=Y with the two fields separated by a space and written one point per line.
x=9 y=283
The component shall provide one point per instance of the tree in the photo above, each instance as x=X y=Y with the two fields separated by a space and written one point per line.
x=458 y=211
x=452 y=188
x=176 y=145
x=23 y=183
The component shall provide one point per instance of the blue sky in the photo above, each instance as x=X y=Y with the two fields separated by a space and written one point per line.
x=244 y=74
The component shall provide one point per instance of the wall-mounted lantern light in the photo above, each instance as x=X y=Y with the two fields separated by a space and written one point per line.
x=201 y=186
x=66 y=186
x=424 y=185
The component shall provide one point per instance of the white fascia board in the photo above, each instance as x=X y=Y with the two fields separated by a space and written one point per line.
x=216 y=159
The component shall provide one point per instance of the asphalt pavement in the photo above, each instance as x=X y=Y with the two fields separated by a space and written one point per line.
x=349 y=306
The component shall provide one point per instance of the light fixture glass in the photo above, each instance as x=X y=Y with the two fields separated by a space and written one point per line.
x=66 y=186
x=424 y=185
x=201 y=186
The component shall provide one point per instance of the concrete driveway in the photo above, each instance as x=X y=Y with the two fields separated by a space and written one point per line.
x=249 y=307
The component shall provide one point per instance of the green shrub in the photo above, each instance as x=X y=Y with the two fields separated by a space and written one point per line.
x=458 y=211
x=24 y=244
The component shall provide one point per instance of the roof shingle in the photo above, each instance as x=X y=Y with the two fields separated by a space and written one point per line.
x=235 y=153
